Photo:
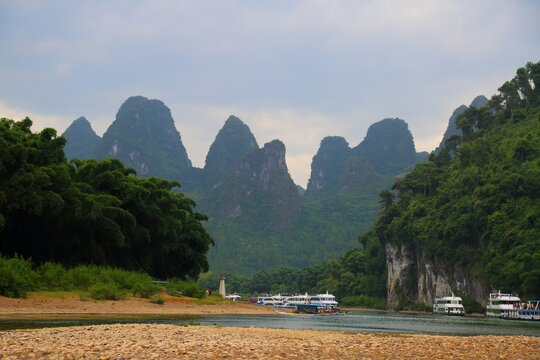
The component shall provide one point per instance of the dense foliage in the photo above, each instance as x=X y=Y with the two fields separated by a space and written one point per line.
x=479 y=211
x=357 y=278
x=18 y=276
x=92 y=211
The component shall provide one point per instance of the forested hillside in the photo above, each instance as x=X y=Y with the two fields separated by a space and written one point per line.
x=472 y=223
x=89 y=211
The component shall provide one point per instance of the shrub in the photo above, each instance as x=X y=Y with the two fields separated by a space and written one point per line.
x=53 y=276
x=16 y=277
x=106 y=291
x=145 y=289
x=83 y=277
x=159 y=300
x=185 y=288
x=472 y=306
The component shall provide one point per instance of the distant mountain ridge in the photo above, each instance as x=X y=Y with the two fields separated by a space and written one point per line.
x=257 y=216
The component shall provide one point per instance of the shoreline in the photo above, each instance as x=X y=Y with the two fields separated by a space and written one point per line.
x=164 y=341
x=42 y=305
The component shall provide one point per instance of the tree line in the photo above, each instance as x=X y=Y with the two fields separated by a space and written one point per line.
x=93 y=212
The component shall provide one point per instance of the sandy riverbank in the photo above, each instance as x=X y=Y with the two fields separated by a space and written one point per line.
x=42 y=305
x=147 y=341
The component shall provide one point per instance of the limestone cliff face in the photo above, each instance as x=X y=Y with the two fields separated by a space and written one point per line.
x=387 y=150
x=418 y=280
x=260 y=188
x=328 y=165
x=232 y=143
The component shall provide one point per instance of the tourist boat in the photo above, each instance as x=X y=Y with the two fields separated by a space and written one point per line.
x=272 y=300
x=296 y=300
x=321 y=300
x=524 y=311
x=448 y=305
x=324 y=304
x=233 y=297
x=324 y=300
x=500 y=304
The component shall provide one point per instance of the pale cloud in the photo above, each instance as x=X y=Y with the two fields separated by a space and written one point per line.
x=39 y=121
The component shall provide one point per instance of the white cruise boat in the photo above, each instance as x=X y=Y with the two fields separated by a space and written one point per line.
x=499 y=304
x=448 y=305
x=324 y=300
x=524 y=311
x=296 y=300
x=272 y=300
x=320 y=300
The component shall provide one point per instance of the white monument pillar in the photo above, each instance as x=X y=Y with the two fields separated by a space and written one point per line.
x=222 y=285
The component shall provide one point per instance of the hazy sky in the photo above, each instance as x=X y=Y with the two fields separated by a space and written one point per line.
x=291 y=70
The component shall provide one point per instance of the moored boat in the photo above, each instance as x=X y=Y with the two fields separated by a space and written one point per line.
x=499 y=304
x=323 y=304
x=448 y=305
x=272 y=300
x=524 y=311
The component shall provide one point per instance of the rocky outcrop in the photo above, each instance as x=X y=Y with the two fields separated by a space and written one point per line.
x=81 y=140
x=387 y=149
x=478 y=102
x=262 y=174
x=144 y=137
x=232 y=143
x=388 y=146
x=328 y=165
x=418 y=281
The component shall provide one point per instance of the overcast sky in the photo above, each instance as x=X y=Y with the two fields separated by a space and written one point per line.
x=291 y=70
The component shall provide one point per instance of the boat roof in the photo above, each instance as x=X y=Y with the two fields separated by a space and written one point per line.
x=452 y=297
x=499 y=294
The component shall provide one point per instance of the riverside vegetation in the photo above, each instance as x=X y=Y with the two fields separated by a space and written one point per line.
x=18 y=276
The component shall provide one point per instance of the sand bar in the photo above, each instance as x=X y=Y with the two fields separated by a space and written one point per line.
x=150 y=341
x=41 y=305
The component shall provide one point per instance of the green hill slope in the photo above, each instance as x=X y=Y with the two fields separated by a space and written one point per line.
x=472 y=223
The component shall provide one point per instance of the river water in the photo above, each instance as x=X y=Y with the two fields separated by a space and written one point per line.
x=355 y=321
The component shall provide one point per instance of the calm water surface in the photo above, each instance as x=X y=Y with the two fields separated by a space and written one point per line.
x=356 y=321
